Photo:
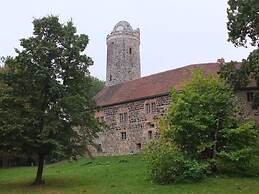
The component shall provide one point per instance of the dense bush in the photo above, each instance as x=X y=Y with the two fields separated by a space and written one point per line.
x=239 y=153
x=167 y=164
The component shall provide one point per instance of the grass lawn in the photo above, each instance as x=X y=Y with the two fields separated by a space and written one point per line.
x=117 y=174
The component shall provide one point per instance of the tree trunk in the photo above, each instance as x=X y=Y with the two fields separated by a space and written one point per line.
x=214 y=154
x=38 y=180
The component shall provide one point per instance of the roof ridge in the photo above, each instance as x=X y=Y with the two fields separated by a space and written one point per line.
x=151 y=85
x=178 y=68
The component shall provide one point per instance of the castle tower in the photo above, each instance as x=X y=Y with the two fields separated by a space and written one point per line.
x=123 y=57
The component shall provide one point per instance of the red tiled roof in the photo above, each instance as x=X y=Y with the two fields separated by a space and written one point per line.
x=153 y=85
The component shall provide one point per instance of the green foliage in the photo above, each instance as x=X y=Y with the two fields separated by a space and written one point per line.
x=197 y=113
x=237 y=78
x=96 y=86
x=46 y=106
x=243 y=21
x=239 y=75
x=167 y=164
x=240 y=152
x=202 y=129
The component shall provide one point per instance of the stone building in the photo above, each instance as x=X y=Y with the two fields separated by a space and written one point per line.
x=130 y=104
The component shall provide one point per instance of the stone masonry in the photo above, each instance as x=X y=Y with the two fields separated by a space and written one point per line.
x=140 y=122
x=123 y=56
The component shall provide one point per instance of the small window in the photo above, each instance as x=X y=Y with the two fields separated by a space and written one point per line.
x=249 y=96
x=99 y=148
x=153 y=107
x=123 y=117
x=123 y=135
x=130 y=50
x=110 y=77
x=138 y=146
x=147 y=108
x=149 y=134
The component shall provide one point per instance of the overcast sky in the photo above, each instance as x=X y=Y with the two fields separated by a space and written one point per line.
x=174 y=33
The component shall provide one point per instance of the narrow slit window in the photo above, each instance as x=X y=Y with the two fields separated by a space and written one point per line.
x=149 y=134
x=147 y=107
x=121 y=118
x=130 y=51
x=123 y=135
x=125 y=115
x=153 y=107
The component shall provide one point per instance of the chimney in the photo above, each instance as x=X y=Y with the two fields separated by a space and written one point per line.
x=221 y=61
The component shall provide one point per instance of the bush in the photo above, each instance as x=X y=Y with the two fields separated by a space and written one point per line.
x=244 y=162
x=240 y=153
x=167 y=164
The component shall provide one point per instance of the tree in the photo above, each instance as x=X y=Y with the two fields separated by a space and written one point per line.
x=97 y=85
x=243 y=22
x=203 y=125
x=47 y=106
x=243 y=25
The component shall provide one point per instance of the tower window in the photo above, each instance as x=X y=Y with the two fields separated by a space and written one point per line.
x=110 y=77
x=123 y=135
x=130 y=50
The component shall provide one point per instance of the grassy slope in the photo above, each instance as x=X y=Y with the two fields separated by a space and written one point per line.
x=120 y=174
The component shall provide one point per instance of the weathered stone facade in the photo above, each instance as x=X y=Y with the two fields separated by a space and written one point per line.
x=123 y=56
x=139 y=124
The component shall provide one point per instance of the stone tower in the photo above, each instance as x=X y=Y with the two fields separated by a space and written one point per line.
x=123 y=57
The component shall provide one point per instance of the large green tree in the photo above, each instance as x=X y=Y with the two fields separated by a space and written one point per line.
x=203 y=119
x=46 y=106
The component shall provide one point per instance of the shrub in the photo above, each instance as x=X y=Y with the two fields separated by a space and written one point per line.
x=240 y=152
x=167 y=164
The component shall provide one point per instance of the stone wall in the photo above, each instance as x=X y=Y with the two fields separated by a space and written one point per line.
x=139 y=124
